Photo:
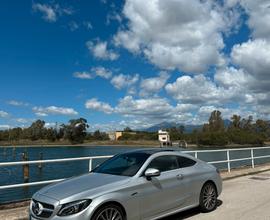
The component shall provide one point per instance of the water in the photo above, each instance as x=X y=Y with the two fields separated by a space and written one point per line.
x=14 y=175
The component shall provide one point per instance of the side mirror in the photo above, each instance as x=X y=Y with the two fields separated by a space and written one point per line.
x=151 y=172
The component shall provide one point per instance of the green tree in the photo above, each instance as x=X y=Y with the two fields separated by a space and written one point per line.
x=216 y=122
x=236 y=122
x=176 y=133
x=51 y=134
x=98 y=135
x=37 y=130
x=263 y=128
x=75 y=130
x=246 y=124
x=181 y=129
x=128 y=129
x=4 y=135
x=15 y=133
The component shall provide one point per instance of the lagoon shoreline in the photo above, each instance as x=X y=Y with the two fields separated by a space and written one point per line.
x=127 y=144
x=85 y=144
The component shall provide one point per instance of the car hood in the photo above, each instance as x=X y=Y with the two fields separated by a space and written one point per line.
x=83 y=186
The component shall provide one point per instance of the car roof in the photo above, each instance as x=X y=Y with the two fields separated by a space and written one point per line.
x=152 y=151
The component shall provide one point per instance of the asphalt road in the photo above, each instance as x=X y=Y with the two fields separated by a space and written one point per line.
x=243 y=198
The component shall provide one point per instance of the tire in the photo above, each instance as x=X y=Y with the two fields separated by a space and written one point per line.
x=109 y=212
x=208 y=197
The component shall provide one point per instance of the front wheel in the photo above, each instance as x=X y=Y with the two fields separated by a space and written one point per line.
x=208 y=197
x=109 y=212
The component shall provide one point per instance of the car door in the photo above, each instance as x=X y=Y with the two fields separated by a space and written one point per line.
x=191 y=178
x=163 y=193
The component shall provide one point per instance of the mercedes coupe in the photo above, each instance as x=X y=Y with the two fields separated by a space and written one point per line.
x=138 y=185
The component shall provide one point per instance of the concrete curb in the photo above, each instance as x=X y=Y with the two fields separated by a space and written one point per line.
x=244 y=172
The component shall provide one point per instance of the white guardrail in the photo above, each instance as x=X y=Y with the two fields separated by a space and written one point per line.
x=90 y=159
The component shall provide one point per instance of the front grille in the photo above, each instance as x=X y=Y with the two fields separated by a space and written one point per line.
x=41 y=209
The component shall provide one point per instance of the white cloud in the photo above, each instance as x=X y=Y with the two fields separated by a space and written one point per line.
x=53 y=110
x=3 y=114
x=231 y=76
x=95 y=71
x=73 y=25
x=17 y=103
x=113 y=17
x=204 y=112
x=152 y=107
x=21 y=120
x=199 y=89
x=144 y=112
x=100 y=50
x=263 y=111
x=120 y=125
x=185 y=108
x=5 y=127
x=124 y=81
x=96 y=105
x=184 y=35
x=259 y=16
x=102 y=72
x=254 y=57
x=82 y=75
x=251 y=58
x=50 y=124
x=154 y=84
x=50 y=13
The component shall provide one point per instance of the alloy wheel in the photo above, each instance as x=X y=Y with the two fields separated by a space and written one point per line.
x=110 y=214
x=209 y=197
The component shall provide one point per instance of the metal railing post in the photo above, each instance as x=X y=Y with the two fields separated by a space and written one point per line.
x=90 y=164
x=228 y=161
x=196 y=154
x=252 y=158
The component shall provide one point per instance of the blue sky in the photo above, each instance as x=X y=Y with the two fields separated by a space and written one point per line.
x=132 y=63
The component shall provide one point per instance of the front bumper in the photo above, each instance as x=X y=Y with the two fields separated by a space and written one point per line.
x=54 y=206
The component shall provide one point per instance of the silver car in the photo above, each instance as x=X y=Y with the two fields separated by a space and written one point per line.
x=141 y=184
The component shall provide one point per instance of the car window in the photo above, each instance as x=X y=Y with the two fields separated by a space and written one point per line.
x=185 y=162
x=164 y=163
x=126 y=164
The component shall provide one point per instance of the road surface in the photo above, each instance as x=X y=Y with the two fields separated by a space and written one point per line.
x=243 y=198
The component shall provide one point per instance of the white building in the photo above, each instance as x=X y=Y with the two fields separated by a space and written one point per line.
x=112 y=135
x=164 y=137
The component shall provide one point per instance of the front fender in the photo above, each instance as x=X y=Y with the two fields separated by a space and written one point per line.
x=129 y=202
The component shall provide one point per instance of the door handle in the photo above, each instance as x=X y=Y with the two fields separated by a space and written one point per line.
x=180 y=176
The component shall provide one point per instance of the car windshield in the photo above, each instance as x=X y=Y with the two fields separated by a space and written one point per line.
x=127 y=164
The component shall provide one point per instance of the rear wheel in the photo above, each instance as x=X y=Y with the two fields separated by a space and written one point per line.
x=208 y=197
x=109 y=212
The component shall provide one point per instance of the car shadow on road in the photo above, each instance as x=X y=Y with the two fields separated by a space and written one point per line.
x=187 y=214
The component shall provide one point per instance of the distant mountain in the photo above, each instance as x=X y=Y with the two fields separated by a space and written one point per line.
x=161 y=126
x=191 y=128
x=188 y=128
x=166 y=125
x=227 y=122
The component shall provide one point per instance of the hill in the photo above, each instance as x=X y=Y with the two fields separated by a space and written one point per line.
x=188 y=128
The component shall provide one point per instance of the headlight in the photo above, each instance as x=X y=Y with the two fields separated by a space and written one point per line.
x=73 y=207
